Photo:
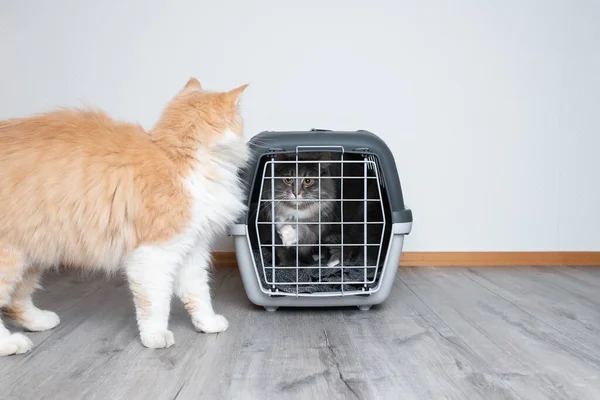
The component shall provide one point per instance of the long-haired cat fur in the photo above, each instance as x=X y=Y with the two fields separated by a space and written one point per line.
x=79 y=189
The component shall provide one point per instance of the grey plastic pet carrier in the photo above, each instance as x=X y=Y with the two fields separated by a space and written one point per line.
x=325 y=223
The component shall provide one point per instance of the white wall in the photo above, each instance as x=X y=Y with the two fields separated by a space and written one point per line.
x=492 y=109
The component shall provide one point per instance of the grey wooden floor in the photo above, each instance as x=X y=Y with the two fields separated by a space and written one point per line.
x=456 y=333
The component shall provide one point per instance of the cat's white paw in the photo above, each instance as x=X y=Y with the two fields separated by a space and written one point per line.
x=288 y=236
x=315 y=257
x=17 y=343
x=211 y=324
x=41 y=320
x=158 y=339
x=333 y=261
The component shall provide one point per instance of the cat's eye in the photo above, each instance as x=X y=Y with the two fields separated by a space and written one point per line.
x=288 y=181
x=308 y=182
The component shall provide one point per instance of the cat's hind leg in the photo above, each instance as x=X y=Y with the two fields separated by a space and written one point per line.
x=22 y=310
x=12 y=269
x=335 y=250
x=334 y=259
x=150 y=271
x=193 y=288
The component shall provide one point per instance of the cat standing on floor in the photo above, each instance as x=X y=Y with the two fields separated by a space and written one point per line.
x=82 y=190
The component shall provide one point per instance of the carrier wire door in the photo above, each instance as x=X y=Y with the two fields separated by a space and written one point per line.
x=343 y=275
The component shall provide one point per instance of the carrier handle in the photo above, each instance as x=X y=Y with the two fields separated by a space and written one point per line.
x=322 y=148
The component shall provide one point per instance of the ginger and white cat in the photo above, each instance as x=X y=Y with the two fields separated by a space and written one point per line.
x=79 y=189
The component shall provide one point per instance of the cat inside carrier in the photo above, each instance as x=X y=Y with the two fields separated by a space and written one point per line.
x=325 y=221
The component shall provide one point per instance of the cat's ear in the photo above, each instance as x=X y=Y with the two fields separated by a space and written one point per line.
x=324 y=156
x=193 y=83
x=317 y=156
x=235 y=94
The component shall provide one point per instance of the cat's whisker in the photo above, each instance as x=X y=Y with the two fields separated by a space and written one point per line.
x=268 y=204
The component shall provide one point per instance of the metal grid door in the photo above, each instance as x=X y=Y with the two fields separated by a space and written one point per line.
x=302 y=232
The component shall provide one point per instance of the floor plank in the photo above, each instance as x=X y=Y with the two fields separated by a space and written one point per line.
x=543 y=295
x=409 y=352
x=447 y=333
x=582 y=283
x=534 y=359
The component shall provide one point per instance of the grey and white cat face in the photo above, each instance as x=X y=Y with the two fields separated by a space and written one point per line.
x=303 y=187
x=299 y=185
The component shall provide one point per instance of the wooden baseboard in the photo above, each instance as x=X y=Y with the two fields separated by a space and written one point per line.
x=472 y=259
x=224 y=259
x=500 y=258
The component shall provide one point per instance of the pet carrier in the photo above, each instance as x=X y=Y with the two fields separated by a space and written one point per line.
x=325 y=222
